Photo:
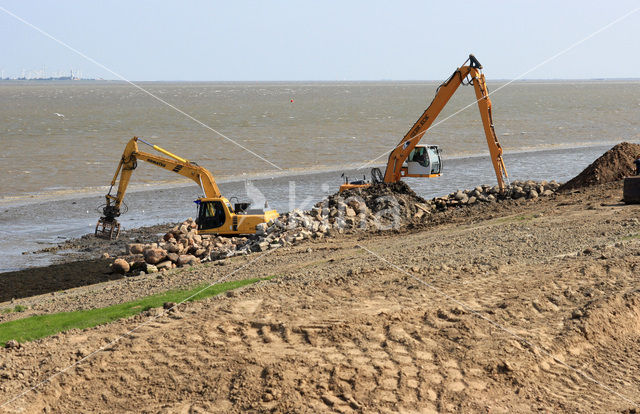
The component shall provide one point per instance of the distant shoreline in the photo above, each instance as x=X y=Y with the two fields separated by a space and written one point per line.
x=378 y=81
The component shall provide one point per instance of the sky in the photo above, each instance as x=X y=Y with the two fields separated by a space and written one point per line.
x=322 y=40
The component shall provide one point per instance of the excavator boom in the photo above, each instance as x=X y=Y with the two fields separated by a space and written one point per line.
x=176 y=164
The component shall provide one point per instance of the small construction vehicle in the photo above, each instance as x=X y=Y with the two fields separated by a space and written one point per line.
x=408 y=159
x=215 y=213
x=631 y=190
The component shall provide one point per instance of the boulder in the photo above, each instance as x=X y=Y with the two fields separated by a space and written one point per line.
x=173 y=257
x=219 y=254
x=261 y=246
x=136 y=248
x=151 y=269
x=174 y=248
x=166 y=265
x=120 y=266
x=138 y=266
x=187 y=259
x=154 y=255
x=517 y=193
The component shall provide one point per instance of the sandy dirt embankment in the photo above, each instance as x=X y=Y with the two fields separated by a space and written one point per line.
x=340 y=330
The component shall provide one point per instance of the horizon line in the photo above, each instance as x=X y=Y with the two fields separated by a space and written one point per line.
x=321 y=80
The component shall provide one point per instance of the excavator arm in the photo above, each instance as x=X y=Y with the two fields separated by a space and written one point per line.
x=398 y=156
x=176 y=164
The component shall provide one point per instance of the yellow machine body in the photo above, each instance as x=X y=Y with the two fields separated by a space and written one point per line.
x=217 y=216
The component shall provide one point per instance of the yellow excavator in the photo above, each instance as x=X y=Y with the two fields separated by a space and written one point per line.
x=215 y=213
x=408 y=159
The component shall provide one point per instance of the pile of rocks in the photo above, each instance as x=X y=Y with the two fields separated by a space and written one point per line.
x=488 y=194
x=376 y=208
x=181 y=246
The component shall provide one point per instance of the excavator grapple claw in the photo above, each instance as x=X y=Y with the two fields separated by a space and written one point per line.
x=107 y=229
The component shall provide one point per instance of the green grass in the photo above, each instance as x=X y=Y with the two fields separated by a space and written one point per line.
x=17 y=308
x=35 y=327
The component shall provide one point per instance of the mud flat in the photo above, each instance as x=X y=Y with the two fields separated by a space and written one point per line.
x=390 y=321
x=80 y=263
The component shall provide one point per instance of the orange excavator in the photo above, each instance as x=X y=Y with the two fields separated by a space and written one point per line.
x=408 y=159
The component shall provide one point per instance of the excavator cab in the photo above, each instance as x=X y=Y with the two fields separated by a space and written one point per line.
x=217 y=216
x=211 y=215
x=423 y=161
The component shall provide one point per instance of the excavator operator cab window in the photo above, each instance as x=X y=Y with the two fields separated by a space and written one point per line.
x=419 y=155
x=210 y=215
x=424 y=161
x=433 y=153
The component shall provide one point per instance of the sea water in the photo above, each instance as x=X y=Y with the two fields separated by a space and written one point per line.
x=60 y=143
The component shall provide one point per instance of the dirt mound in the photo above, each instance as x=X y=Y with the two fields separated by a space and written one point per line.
x=613 y=165
x=610 y=318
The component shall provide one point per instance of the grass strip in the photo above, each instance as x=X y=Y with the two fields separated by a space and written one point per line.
x=35 y=327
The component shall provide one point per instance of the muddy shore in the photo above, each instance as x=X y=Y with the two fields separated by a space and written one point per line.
x=78 y=262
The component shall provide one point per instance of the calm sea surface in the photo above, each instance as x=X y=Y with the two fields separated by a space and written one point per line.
x=54 y=168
